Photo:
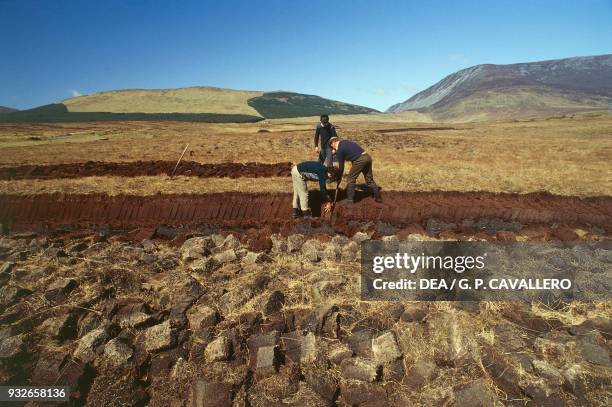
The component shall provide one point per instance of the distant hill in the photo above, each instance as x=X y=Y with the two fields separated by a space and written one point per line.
x=275 y=105
x=4 y=109
x=58 y=113
x=528 y=89
x=204 y=104
x=182 y=100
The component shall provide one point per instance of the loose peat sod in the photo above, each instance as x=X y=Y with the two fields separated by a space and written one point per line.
x=144 y=168
x=121 y=324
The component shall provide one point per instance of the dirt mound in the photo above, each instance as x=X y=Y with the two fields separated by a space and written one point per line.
x=537 y=208
x=253 y=210
x=396 y=130
x=144 y=168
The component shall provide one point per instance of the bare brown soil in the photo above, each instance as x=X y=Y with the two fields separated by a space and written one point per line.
x=415 y=129
x=402 y=208
x=144 y=168
x=243 y=210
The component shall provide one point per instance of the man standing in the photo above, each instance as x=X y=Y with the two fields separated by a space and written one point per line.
x=314 y=171
x=346 y=150
x=325 y=130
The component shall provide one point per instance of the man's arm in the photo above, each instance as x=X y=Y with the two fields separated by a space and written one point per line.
x=340 y=157
x=316 y=138
x=322 y=174
x=333 y=131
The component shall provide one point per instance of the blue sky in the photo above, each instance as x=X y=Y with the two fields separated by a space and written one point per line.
x=373 y=53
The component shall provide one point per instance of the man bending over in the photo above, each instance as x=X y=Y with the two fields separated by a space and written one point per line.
x=313 y=171
x=346 y=150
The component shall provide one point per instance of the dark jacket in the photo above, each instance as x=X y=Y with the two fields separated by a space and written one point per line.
x=315 y=171
x=325 y=132
x=347 y=150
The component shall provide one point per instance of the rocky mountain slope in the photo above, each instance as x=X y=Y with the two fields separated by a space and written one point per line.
x=524 y=89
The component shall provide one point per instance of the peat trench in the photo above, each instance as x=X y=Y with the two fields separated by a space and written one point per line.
x=144 y=168
x=457 y=212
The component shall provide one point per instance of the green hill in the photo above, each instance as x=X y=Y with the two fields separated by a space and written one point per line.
x=199 y=104
x=59 y=113
x=275 y=105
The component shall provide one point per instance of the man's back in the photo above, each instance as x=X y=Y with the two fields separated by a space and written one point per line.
x=314 y=171
x=348 y=150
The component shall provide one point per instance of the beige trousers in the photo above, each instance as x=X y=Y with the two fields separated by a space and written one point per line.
x=300 y=190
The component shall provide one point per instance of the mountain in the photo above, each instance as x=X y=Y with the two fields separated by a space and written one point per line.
x=7 y=109
x=210 y=100
x=517 y=90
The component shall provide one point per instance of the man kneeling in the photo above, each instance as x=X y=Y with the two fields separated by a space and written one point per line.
x=313 y=171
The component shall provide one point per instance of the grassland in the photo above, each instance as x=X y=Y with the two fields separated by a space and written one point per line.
x=144 y=186
x=182 y=100
x=566 y=155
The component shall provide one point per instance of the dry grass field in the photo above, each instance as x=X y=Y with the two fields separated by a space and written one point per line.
x=412 y=352
x=182 y=100
x=146 y=185
x=567 y=155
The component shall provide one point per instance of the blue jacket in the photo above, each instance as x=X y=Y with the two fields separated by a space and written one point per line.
x=315 y=171
x=347 y=150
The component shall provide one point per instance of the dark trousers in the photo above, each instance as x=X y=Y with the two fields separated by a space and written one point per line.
x=361 y=165
x=326 y=155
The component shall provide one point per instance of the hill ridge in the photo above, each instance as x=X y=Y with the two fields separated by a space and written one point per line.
x=195 y=103
x=578 y=82
x=5 y=109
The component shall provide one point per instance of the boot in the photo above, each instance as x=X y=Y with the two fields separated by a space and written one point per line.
x=296 y=213
x=307 y=214
x=376 y=194
x=350 y=194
